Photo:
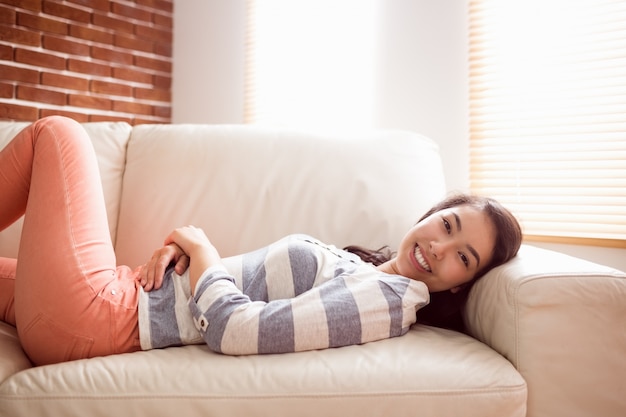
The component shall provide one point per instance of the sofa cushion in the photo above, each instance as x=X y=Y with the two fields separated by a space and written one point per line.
x=237 y=183
x=428 y=371
x=109 y=140
x=12 y=357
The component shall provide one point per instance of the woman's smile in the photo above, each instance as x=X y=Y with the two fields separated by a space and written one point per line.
x=419 y=261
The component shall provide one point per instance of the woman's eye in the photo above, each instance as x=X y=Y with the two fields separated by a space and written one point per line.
x=446 y=224
x=464 y=259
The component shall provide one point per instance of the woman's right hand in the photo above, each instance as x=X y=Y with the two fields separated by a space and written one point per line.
x=151 y=275
x=202 y=254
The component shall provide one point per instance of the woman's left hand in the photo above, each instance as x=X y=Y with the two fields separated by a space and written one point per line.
x=151 y=275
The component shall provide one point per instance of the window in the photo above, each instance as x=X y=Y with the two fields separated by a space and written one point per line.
x=548 y=115
x=310 y=63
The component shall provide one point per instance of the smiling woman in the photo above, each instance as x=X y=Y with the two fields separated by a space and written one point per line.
x=295 y=294
x=448 y=232
x=442 y=253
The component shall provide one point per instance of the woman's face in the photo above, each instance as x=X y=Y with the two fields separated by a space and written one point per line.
x=447 y=249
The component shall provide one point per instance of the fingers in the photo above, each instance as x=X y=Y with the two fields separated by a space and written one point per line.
x=182 y=264
x=188 y=238
x=151 y=275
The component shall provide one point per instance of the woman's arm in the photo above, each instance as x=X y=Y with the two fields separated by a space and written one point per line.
x=350 y=309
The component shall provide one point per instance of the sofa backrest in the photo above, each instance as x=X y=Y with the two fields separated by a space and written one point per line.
x=247 y=186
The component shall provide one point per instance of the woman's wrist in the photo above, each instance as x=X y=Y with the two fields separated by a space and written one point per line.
x=201 y=259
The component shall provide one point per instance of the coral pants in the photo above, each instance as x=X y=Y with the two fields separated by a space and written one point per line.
x=65 y=294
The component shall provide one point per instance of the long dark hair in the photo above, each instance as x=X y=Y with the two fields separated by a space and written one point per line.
x=444 y=309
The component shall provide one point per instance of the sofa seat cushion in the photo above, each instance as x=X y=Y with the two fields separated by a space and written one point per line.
x=429 y=371
x=12 y=357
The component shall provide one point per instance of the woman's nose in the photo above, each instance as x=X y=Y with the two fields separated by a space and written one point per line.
x=438 y=249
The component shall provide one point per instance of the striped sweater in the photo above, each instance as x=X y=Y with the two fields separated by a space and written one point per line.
x=294 y=295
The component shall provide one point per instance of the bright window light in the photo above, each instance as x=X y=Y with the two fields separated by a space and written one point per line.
x=310 y=63
x=548 y=115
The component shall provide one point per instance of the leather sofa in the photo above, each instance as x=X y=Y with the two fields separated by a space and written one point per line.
x=546 y=333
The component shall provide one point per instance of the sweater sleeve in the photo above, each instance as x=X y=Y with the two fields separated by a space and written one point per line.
x=354 y=308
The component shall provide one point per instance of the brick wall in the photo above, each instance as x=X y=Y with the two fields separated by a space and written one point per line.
x=92 y=60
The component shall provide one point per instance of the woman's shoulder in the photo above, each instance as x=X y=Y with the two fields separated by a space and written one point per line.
x=307 y=243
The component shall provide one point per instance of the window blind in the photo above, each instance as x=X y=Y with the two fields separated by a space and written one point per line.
x=548 y=115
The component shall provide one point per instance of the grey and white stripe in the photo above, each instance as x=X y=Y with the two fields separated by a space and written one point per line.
x=297 y=294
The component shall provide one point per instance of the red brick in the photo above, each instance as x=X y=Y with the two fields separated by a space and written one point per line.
x=146 y=32
x=163 y=49
x=6 y=90
x=8 y=15
x=65 y=45
x=39 y=58
x=34 y=5
x=153 y=94
x=41 y=23
x=40 y=95
x=163 y=5
x=132 y=107
x=79 y=117
x=134 y=43
x=162 y=82
x=67 y=12
x=14 y=35
x=6 y=52
x=112 y=23
x=115 y=89
x=132 y=75
x=163 y=111
x=154 y=64
x=131 y=12
x=163 y=20
x=91 y=34
x=89 y=102
x=106 y=118
x=90 y=68
x=19 y=74
x=15 y=112
x=110 y=55
x=64 y=81
x=102 y=5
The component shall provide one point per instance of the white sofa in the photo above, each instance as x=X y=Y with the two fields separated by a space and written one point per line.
x=547 y=334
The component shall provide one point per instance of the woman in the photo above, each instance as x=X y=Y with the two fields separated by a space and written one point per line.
x=69 y=300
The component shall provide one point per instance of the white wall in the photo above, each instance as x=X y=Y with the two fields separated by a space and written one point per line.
x=422 y=82
x=208 y=61
x=422 y=77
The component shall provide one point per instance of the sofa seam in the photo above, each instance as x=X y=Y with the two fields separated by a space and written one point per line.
x=522 y=388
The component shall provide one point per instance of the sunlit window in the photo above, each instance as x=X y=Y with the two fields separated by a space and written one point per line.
x=310 y=63
x=548 y=115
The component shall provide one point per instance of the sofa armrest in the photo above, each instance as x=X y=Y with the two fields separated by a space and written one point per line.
x=560 y=321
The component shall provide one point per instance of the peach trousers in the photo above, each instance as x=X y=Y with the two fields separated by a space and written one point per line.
x=64 y=293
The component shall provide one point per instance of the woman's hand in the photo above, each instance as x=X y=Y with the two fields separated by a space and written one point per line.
x=151 y=275
x=195 y=244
